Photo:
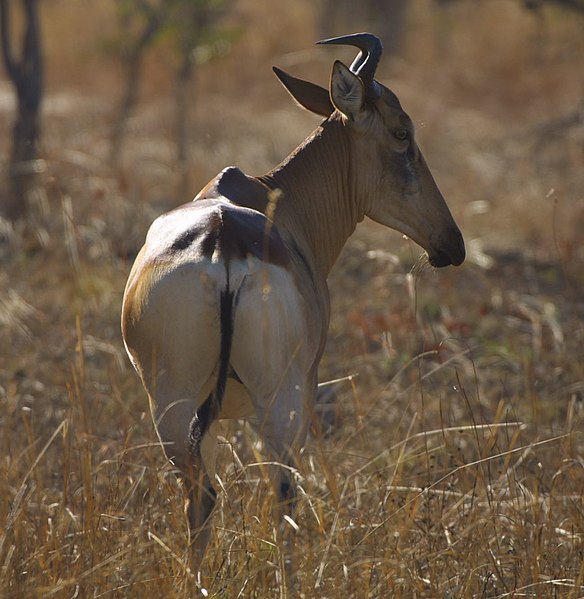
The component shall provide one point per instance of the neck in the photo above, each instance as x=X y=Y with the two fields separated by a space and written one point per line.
x=318 y=205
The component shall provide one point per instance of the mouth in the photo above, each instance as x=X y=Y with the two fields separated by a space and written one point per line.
x=439 y=259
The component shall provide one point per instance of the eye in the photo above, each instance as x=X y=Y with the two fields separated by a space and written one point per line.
x=401 y=134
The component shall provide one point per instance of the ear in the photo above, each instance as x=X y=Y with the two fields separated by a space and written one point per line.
x=308 y=95
x=347 y=91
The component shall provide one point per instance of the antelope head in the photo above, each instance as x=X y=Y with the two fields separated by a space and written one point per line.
x=388 y=174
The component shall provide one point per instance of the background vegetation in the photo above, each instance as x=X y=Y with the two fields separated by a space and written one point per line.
x=452 y=464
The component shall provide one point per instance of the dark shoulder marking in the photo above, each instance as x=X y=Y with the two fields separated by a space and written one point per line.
x=185 y=240
x=204 y=232
x=236 y=232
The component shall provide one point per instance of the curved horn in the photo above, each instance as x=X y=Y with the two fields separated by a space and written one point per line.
x=367 y=60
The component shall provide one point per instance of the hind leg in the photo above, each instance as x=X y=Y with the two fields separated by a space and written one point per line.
x=274 y=354
x=282 y=423
x=200 y=492
x=190 y=444
x=282 y=407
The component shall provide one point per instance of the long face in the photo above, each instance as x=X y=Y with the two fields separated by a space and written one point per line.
x=400 y=190
x=395 y=185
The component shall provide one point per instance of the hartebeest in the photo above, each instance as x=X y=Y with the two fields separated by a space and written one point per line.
x=226 y=309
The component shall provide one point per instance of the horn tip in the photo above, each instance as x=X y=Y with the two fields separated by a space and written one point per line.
x=351 y=39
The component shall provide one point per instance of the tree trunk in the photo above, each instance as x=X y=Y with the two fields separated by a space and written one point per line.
x=134 y=65
x=27 y=78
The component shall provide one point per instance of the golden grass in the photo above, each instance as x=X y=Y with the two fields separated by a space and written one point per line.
x=454 y=467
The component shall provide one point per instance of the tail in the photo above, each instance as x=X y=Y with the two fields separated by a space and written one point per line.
x=211 y=407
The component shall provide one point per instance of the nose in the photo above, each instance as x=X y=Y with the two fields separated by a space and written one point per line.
x=450 y=250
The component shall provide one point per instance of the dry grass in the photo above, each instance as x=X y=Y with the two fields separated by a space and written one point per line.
x=455 y=466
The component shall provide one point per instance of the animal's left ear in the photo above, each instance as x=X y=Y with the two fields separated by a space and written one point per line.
x=347 y=91
x=308 y=95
